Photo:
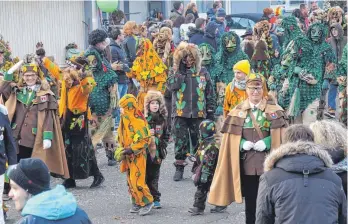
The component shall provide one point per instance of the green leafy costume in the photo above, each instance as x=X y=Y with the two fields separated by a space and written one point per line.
x=342 y=72
x=291 y=30
x=207 y=54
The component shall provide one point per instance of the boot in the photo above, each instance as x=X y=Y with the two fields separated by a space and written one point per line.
x=196 y=211
x=179 y=173
x=69 y=183
x=98 y=180
x=218 y=209
x=111 y=159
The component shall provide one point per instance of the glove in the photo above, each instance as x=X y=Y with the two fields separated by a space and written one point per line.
x=248 y=145
x=47 y=144
x=260 y=146
x=127 y=151
x=325 y=85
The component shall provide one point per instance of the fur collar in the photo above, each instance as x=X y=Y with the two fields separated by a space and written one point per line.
x=293 y=148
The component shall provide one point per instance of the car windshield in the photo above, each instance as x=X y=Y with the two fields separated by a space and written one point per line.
x=242 y=23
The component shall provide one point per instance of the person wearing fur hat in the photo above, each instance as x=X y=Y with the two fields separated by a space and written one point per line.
x=250 y=131
x=235 y=90
x=267 y=14
x=103 y=99
x=32 y=110
x=77 y=83
x=36 y=201
x=156 y=116
x=298 y=176
x=134 y=139
x=193 y=99
x=204 y=167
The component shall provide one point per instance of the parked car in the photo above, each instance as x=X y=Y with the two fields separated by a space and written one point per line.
x=243 y=21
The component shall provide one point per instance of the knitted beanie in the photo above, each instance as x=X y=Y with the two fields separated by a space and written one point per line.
x=243 y=66
x=220 y=12
x=32 y=175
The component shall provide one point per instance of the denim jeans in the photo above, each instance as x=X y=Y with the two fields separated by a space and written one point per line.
x=122 y=90
x=332 y=96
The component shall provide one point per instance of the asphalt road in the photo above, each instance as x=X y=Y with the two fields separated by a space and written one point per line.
x=110 y=203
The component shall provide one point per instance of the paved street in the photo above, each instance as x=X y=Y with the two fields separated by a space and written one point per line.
x=110 y=203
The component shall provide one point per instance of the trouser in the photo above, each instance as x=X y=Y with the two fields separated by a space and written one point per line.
x=152 y=177
x=218 y=135
x=201 y=195
x=309 y=115
x=250 y=188
x=181 y=127
x=122 y=90
x=168 y=103
x=2 y=182
x=24 y=152
x=332 y=96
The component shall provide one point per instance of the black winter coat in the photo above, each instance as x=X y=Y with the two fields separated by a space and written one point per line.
x=118 y=54
x=195 y=36
x=299 y=187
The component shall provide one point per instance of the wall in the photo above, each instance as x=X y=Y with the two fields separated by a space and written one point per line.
x=238 y=6
x=54 y=23
x=136 y=7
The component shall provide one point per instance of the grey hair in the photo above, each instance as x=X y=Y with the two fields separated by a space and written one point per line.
x=298 y=132
x=330 y=133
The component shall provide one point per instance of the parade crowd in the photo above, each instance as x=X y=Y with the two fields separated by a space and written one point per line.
x=262 y=116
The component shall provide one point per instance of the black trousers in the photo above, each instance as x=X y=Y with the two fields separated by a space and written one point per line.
x=152 y=177
x=24 y=152
x=201 y=195
x=250 y=188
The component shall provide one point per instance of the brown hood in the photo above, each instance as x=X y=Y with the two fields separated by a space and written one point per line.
x=151 y=96
x=293 y=148
x=184 y=49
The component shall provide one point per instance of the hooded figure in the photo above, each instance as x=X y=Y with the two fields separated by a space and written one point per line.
x=291 y=30
x=193 y=100
x=163 y=45
x=296 y=177
x=36 y=130
x=149 y=70
x=210 y=35
x=156 y=116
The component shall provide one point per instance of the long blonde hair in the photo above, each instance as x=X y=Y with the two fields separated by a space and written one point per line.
x=330 y=133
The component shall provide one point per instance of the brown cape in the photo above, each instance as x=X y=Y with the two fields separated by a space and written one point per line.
x=226 y=185
x=54 y=157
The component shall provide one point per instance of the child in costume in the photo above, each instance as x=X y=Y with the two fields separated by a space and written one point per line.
x=134 y=137
x=77 y=83
x=32 y=110
x=156 y=115
x=204 y=167
x=235 y=90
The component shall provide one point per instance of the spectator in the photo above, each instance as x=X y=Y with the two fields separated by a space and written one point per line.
x=37 y=202
x=298 y=186
x=180 y=20
x=120 y=65
x=304 y=16
x=192 y=8
x=333 y=135
x=314 y=6
x=7 y=149
x=210 y=35
x=177 y=11
x=196 y=33
x=275 y=40
x=212 y=11
x=267 y=14
x=220 y=21
x=184 y=28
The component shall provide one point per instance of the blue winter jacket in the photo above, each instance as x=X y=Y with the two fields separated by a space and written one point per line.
x=56 y=206
x=221 y=27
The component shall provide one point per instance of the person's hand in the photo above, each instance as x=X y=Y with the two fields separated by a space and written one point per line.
x=116 y=66
x=248 y=145
x=325 y=85
x=47 y=144
x=152 y=131
x=276 y=53
x=127 y=151
x=285 y=85
x=260 y=146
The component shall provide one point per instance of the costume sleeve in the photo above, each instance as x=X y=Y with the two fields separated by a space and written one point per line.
x=165 y=136
x=52 y=68
x=175 y=80
x=264 y=206
x=10 y=145
x=209 y=162
x=227 y=105
x=48 y=125
x=329 y=57
x=139 y=146
x=210 y=95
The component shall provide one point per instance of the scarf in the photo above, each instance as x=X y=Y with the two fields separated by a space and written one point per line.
x=239 y=84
